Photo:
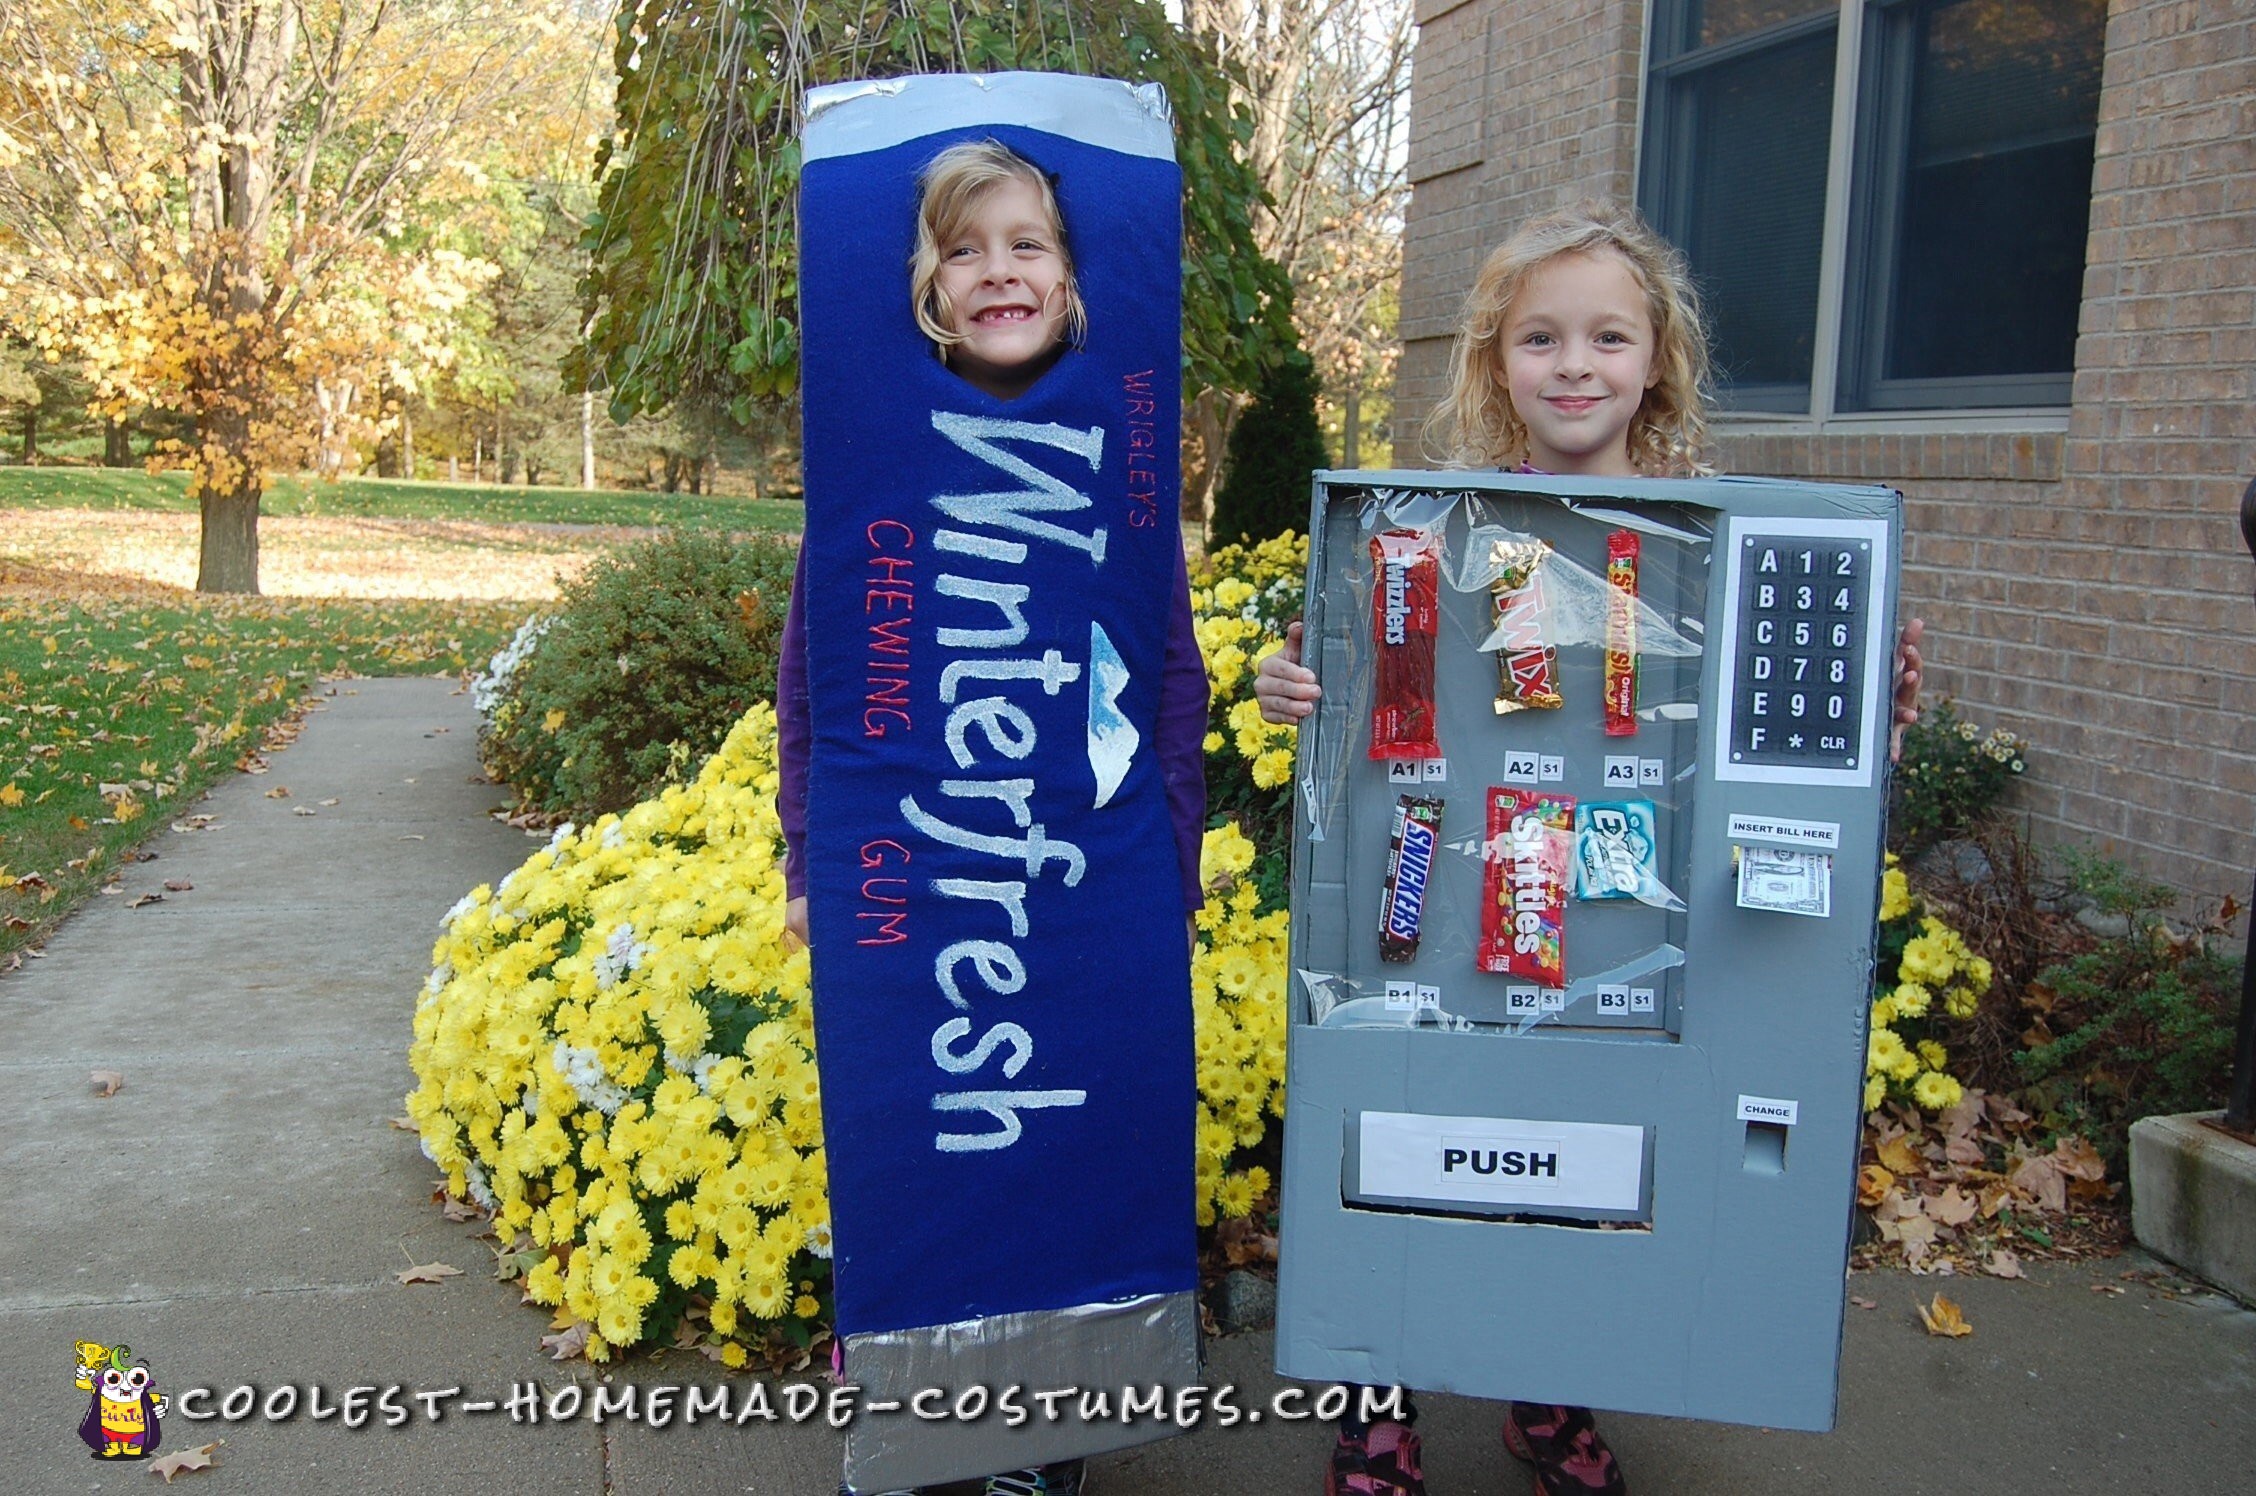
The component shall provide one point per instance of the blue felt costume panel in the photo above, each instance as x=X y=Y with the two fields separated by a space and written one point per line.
x=1001 y=975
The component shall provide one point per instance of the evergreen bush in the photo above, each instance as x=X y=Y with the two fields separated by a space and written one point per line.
x=653 y=654
x=1273 y=450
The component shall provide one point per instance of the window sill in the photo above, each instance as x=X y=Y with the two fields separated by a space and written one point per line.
x=1993 y=446
x=2052 y=420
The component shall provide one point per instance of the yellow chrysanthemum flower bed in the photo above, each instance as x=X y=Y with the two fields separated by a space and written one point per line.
x=1926 y=975
x=1238 y=1026
x=1242 y=596
x=615 y=1055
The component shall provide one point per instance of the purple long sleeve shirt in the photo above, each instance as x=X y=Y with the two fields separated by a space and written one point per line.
x=1181 y=746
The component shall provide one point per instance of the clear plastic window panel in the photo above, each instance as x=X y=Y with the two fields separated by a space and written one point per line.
x=1494 y=828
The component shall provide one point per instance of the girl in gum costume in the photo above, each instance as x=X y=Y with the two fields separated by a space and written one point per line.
x=991 y=283
x=1581 y=351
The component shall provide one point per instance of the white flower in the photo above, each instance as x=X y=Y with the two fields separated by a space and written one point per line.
x=818 y=1240
x=622 y=953
x=474 y=1180
x=435 y=983
x=582 y=1069
x=487 y=689
x=461 y=907
x=614 y=836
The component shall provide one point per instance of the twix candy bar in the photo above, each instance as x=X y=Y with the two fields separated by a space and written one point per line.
x=1621 y=634
x=1529 y=664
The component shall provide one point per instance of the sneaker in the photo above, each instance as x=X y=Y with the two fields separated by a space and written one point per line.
x=1563 y=1445
x=1383 y=1462
x=1066 y=1478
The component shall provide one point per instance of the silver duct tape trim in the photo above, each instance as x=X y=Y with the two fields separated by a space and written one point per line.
x=847 y=119
x=1144 y=1343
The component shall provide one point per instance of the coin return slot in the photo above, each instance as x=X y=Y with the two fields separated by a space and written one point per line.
x=1766 y=1148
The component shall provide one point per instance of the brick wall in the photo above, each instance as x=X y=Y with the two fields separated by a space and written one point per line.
x=2153 y=730
x=2087 y=589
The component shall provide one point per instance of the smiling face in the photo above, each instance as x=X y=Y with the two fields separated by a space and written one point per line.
x=1003 y=282
x=1578 y=357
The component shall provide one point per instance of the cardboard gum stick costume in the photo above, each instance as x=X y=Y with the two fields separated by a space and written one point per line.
x=1002 y=1000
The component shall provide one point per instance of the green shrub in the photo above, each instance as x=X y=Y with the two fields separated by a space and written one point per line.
x=652 y=655
x=1274 y=448
x=2141 y=1025
x=1952 y=776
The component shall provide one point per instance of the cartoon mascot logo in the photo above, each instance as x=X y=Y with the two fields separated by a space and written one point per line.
x=121 y=1421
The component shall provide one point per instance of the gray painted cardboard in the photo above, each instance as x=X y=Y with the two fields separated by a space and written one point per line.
x=1721 y=1297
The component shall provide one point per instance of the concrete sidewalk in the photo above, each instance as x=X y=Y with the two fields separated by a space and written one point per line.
x=236 y=1213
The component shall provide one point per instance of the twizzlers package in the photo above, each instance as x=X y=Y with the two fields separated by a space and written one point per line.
x=1405 y=615
x=1525 y=879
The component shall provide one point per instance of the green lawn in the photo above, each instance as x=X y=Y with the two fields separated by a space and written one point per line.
x=114 y=715
x=392 y=498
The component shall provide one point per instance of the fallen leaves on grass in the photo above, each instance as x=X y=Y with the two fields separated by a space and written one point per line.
x=1942 y=1317
x=133 y=702
x=202 y=1457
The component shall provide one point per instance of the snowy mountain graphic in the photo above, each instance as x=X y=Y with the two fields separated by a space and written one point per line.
x=1113 y=739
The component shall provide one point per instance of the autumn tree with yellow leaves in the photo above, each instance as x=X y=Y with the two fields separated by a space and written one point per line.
x=224 y=208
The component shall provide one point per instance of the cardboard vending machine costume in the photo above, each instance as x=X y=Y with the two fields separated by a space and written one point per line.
x=1001 y=978
x=1585 y=898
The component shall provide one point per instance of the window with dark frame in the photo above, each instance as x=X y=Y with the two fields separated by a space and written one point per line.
x=1969 y=200
x=1738 y=118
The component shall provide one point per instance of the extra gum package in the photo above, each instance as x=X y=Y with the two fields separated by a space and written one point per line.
x=1525 y=878
x=1405 y=616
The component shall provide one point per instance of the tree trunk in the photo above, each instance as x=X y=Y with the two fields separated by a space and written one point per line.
x=407 y=443
x=31 y=435
x=117 y=445
x=1206 y=436
x=477 y=459
x=587 y=439
x=229 y=562
x=1351 y=434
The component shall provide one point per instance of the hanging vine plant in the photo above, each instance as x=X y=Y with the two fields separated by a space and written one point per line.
x=692 y=290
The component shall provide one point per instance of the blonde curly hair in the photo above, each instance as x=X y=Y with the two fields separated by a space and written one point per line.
x=1668 y=437
x=951 y=188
